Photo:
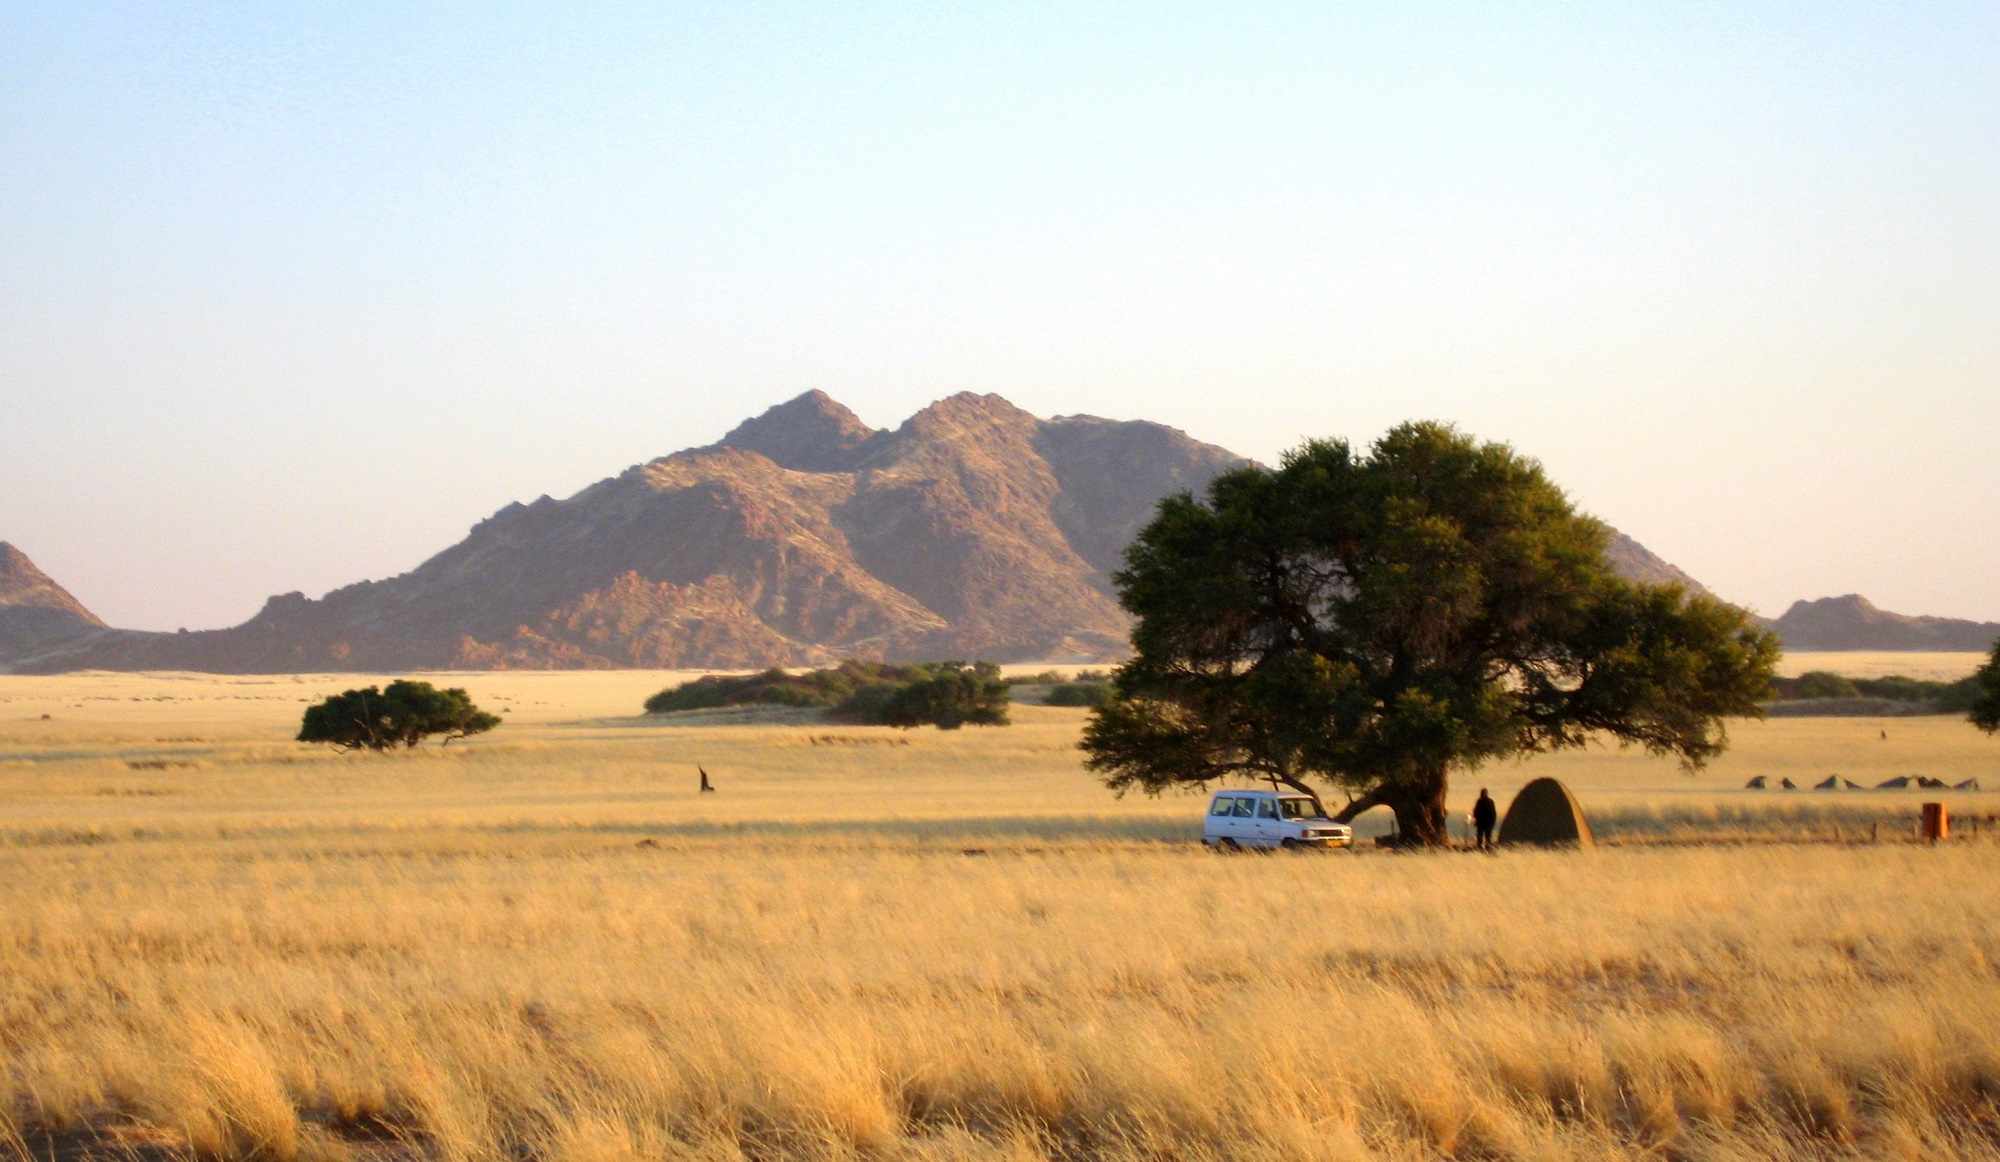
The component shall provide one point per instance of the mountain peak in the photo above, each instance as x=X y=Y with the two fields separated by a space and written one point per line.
x=1848 y=607
x=23 y=585
x=973 y=529
x=1635 y=562
x=969 y=411
x=1852 y=622
x=809 y=433
x=1845 y=603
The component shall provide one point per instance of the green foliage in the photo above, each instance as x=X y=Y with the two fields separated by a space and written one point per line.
x=403 y=715
x=1377 y=621
x=1984 y=708
x=775 y=687
x=1942 y=697
x=1079 y=694
x=949 y=695
x=1045 y=678
x=1823 y=684
x=945 y=694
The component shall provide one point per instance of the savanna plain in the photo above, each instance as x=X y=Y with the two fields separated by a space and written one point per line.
x=546 y=944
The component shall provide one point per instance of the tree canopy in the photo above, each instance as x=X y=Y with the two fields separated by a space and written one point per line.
x=403 y=715
x=1377 y=621
x=1985 y=709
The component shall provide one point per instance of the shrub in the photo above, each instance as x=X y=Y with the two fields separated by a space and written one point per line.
x=403 y=715
x=1942 y=697
x=775 y=687
x=1824 y=684
x=946 y=694
x=1079 y=694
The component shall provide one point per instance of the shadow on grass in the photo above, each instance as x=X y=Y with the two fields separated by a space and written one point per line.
x=1071 y=828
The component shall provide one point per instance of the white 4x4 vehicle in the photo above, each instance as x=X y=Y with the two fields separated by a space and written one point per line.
x=1238 y=819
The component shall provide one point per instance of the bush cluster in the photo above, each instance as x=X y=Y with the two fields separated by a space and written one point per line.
x=1079 y=694
x=1944 y=697
x=1087 y=688
x=943 y=694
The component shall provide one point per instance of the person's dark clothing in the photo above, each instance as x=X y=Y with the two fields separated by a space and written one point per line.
x=1484 y=815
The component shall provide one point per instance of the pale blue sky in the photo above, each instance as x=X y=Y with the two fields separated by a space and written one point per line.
x=291 y=295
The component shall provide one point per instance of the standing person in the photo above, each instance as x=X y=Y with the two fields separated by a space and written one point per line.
x=1484 y=815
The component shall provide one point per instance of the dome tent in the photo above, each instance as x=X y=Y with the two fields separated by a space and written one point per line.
x=1546 y=814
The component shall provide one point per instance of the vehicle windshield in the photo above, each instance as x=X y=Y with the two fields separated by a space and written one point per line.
x=1302 y=808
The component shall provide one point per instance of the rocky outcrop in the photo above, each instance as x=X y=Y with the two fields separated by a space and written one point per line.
x=804 y=536
x=1853 y=623
x=37 y=616
x=1635 y=562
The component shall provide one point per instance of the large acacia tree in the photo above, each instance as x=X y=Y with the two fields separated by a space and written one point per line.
x=1376 y=622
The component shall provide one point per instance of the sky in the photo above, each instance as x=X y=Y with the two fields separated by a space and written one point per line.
x=292 y=295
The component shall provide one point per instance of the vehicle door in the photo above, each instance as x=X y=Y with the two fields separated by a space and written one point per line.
x=1220 y=824
x=1267 y=831
x=1243 y=820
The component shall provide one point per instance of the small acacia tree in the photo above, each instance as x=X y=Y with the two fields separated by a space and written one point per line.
x=1985 y=711
x=1377 y=622
x=403 y=715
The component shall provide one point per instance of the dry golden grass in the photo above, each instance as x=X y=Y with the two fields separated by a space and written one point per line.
x=545 y=944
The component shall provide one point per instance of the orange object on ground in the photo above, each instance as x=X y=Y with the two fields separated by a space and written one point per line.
x=1937 y=822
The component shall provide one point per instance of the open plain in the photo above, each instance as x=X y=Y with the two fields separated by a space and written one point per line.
x=545 y=943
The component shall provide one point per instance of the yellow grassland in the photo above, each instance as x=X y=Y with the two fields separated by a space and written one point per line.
x=545 y=943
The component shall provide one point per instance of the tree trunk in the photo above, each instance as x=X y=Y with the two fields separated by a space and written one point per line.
x=1421 y=819
x=1419 y=806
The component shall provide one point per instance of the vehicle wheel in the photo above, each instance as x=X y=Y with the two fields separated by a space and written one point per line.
x=1227 y=846
x=1292 y=845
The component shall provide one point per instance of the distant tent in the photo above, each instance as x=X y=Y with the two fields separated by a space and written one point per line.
x=1927 y=781
x=1830 y=783
x=1546 y=814
x=1788 y=784
x=1756 y=784
x=1895 y=784
x=1852 y=785
x=1967 y=785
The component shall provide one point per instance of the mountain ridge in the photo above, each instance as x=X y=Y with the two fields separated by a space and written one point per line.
x=802 y=537
x=1852 y=622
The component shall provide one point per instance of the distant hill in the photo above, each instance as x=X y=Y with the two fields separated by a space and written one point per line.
x=804 y=536
x=38 y=617
x=1636 y=562
x=1853 y=623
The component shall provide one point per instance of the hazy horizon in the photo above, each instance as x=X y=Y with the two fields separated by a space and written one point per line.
x=290 y=299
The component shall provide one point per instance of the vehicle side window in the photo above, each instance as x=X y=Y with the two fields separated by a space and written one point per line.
x=1222 y=806
x=1243 y=808
x=1301 y=809
x=1266 y=809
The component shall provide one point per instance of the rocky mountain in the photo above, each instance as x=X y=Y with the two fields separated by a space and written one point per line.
x=1636 y=562
x=804 y=536
x=1853 y=623
x=37 y=616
